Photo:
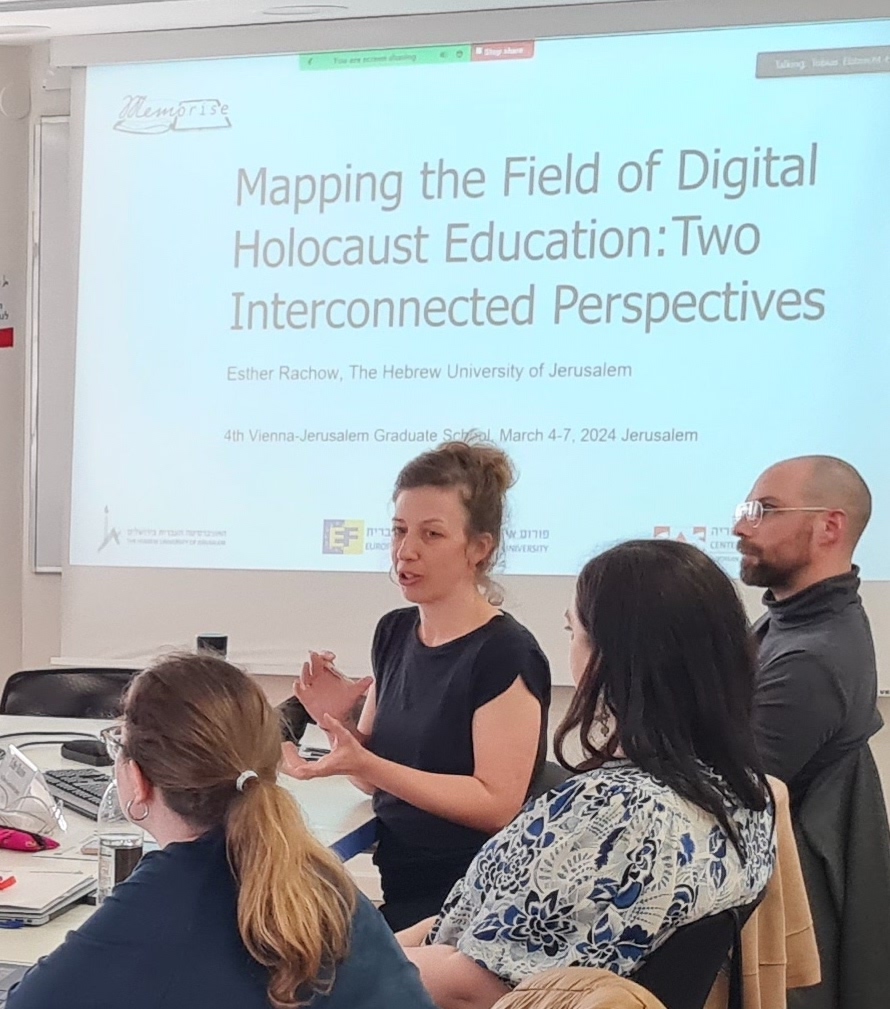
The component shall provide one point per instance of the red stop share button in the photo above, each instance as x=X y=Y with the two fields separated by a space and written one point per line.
x=483 y=51
x=7 y=337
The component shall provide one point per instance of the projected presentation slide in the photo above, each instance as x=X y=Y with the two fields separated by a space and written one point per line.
x=647 y=266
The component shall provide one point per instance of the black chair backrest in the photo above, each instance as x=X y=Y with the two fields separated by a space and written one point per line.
x=551 y=775
x=66 y=693
x=294 y=719
x=682 y=971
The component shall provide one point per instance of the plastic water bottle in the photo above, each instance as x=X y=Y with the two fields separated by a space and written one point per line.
x=120 y=843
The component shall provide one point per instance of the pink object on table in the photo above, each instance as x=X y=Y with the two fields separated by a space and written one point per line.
x=24 y=840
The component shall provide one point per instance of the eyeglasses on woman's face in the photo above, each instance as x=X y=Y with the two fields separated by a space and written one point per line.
x=112 y=737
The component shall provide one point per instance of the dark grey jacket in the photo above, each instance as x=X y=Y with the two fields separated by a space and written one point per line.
x=816 y=698
x=844 y=844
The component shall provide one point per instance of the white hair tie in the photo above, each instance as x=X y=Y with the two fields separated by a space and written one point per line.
x=243 y=778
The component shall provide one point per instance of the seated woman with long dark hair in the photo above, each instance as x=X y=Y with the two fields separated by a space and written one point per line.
x=242 y=908
x=669 y=817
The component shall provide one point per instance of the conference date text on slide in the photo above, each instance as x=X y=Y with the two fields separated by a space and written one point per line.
x=429 y=373
x=504 y=435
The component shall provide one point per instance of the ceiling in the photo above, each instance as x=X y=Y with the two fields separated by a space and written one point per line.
x=29 y=21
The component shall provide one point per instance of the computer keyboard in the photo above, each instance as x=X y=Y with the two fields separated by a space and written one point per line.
x=80 y=789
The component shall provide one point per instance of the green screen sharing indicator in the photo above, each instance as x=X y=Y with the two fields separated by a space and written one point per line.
x=368 y=58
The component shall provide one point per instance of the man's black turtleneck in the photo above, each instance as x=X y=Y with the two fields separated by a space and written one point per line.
x=817 y=688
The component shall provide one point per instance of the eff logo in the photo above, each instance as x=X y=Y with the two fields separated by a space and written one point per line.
x=343 y=536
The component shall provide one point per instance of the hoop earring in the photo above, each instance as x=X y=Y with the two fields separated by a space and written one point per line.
x=135 y=819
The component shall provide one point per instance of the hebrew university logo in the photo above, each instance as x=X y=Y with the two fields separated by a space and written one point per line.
x=110 y=535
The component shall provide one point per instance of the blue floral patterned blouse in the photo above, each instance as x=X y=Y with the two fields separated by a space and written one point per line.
x=599 y=872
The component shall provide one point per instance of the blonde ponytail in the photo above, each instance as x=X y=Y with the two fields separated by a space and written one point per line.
x=295 y=899
x=204 y=734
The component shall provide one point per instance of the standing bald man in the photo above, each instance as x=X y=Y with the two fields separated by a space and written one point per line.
x=816 y=697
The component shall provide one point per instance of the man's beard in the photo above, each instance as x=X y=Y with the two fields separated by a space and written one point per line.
x=755 y=571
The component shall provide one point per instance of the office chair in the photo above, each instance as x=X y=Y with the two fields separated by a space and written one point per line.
x=550 y=776
x=66 y=693
x=294 y=720
x=682 y=971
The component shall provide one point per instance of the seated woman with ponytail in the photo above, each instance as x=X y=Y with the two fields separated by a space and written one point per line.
x=241 y=908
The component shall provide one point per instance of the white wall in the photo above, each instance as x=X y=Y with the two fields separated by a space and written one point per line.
x=14 y=108
x=41 y=593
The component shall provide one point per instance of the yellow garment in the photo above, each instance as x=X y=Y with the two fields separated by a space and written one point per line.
x=578 y=988
x=778 y=943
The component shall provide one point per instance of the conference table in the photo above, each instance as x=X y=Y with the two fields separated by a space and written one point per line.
x=336 y=812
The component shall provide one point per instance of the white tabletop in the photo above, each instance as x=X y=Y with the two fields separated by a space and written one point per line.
x=334 y=810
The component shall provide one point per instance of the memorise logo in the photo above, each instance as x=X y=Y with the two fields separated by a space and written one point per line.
x=139 y=114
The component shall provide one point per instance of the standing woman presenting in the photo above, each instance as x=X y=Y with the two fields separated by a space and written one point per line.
x=454 y=727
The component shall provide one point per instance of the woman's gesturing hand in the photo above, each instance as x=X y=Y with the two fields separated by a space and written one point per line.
x=323 y=690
